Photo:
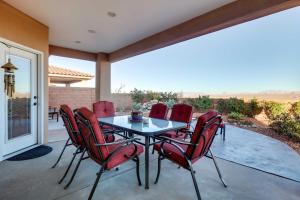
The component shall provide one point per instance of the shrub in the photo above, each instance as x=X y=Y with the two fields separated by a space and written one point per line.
x=150 y=95
x=236 y=116
x=165 y=96
x=295 y=110
x=273 y=110
x=252 y=108
x=137 y=96
x=201 y=103
x=222 y=106
x=232 y=104
x=170 y=103
x=286 y=125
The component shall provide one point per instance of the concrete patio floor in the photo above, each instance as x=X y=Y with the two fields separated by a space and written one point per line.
x=34 y=179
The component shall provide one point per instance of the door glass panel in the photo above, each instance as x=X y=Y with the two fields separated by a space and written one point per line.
x=19 y=107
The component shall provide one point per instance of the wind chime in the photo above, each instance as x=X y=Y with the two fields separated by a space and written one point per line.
x=9 y=77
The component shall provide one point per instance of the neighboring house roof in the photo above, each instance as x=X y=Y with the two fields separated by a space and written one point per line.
x=67 y=76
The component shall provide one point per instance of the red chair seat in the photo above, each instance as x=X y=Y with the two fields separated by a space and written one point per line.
x=120 y=157
x=109 y=138
x=173 y=153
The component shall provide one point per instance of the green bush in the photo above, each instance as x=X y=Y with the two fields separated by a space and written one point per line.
x=165 y=96
x=253 y=108
x=150 y=95
x=295 y=110
x=273 y=109
x=232 y=104
x=201 y=103
x=286 y=125
x=236 y=116
x=222 y=106
x=137 y=96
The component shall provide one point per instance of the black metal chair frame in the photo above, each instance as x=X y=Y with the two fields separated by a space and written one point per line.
x=79 y=150
x=123 y=143
x=205 y=150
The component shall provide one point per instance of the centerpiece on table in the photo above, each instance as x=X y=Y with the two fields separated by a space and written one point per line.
x=137 y=113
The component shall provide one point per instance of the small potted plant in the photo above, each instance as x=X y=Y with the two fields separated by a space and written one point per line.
x=137 y=113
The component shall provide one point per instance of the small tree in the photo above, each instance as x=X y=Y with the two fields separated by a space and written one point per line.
x=295 y=110
x=273 y=109
x=252 y=108
x=137 y=96
x=201 y=103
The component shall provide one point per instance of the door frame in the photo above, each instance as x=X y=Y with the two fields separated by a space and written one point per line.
x=42 y=107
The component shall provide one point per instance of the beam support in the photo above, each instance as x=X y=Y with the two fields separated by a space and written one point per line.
x=103 y=77
x=72 y=53
x=229 y=15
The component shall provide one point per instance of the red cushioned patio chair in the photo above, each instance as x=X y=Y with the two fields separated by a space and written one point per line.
x=185 y=154
x=74 y=139
x=180 y=113
x=159 y=111
x=107 y=155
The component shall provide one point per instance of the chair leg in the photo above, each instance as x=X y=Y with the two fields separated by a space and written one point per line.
x=96 y=183
x=195 y=182
x=218 y=170
x=153 y=145
x=224 y=129
x=75 y=170
x=158 y=168
x=63 y=150
x=74 y=155
x=138 y=170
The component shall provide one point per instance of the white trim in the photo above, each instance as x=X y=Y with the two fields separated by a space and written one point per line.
x=42 y=78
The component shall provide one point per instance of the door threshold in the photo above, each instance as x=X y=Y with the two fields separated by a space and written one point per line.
x=19 y=152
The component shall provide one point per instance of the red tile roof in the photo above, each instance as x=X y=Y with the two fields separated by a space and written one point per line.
x=54 y=70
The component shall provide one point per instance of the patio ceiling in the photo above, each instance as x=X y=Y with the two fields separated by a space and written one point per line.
x=70 y=20
x=139 y=25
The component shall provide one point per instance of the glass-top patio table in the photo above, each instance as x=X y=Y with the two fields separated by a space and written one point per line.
x=148 y=128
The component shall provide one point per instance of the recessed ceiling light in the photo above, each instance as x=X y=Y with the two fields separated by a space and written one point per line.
x=111 y=14
x=77 y=42
x=91 y=31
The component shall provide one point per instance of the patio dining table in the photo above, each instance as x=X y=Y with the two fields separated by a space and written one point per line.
x=150 y=127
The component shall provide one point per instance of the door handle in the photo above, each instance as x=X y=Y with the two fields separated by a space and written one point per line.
x=35 y=103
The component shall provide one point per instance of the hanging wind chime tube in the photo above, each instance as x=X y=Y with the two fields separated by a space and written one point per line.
x=9 y=77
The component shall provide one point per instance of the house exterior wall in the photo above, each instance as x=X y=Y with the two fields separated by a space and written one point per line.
x=24 y=30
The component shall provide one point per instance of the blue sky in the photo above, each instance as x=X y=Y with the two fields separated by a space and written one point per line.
x=260 y=55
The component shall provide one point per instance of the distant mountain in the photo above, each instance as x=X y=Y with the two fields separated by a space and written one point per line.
x=281 y=96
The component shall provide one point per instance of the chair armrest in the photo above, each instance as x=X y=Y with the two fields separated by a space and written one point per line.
x=176 y=141
x=118 y=142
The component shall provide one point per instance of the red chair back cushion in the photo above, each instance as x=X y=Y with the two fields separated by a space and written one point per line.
x=203 y=134
x=92 y=135
x=70 y=124
x=182 y=113
x=158 y=111
x=104 y=109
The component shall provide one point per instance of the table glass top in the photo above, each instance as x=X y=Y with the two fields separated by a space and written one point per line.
x=149 y=125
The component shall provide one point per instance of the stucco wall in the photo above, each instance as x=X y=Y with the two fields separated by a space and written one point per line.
x=22 y=29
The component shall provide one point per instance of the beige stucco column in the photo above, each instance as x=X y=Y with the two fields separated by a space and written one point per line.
x=103 y=77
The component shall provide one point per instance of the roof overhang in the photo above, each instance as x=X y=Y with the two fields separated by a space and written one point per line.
x=130 y=35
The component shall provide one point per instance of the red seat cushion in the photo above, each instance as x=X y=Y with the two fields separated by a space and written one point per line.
x=109 y=138
x=104 y=109
x=158 y=111
x=72 y=126
x=120 y=156
x=174 y=134
x=182 y=113
x=173 y=153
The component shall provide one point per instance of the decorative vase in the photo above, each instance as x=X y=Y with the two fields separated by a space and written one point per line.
x=136 y=116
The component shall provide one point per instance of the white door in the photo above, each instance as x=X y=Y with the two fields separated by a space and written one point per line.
x=20 y=112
